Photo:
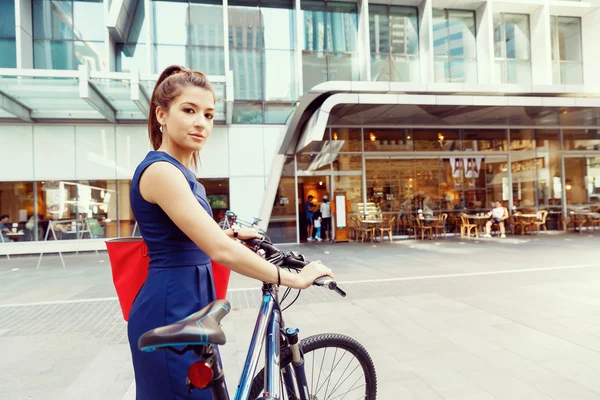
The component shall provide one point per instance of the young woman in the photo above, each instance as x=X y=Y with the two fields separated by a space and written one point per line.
x=176 y=223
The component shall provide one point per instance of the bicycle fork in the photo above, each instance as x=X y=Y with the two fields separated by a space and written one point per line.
x=297 y=365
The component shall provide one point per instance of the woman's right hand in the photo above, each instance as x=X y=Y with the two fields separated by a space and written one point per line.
x=310 y=273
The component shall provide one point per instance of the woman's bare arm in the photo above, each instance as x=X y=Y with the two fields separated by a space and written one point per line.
x=163 y=184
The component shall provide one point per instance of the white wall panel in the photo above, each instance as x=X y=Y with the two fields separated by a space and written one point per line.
x=132 y=146
x=95 y=153
x=16 y=148
x=590 y=28
x=214 y=156
x=273 y=135
x=246 y=196
x=54 y=150
x=246 y=156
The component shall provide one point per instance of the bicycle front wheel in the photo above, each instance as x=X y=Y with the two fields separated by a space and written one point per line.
x=336 y=367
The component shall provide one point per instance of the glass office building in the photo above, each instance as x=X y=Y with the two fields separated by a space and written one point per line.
x=400 y=105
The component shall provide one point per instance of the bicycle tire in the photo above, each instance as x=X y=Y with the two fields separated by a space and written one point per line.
x=327 y=340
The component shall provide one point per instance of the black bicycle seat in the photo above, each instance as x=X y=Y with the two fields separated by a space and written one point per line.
x=200 y=328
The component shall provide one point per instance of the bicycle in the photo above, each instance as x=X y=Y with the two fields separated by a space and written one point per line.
x=286 y=364
x=232 y=219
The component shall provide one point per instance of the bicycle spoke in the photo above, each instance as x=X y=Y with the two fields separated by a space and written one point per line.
x=351 y=389
x=321 y=369
x=347 y=378
x=332 y=368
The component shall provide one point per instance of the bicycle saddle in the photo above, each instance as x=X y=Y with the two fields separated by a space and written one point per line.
x=200 y=328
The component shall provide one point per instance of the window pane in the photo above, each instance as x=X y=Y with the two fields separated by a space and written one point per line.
x=206 y=25
x=380 y=67
x=518 y=71
x=278 y=28
x=282 y=224
x=168 y=55
x=209 y=60
x=553 y=37
x=90 y=54
x=351 y=139
x=8 y=49
x=247 y=113
x=137 y=33
x=440 y=32
x=7 y=18
x=522 y=140
x=517 y=36
x=132 y=57
x=581 y=139
x=313 y=29
x=404 y=30
x=342 y=29
x=314 y=69
x=343 y=67
x=461 y=70
x=170 y=23
x=436 y=139
x=379 y=25
x=388 y=140
x=52 y=19
x=88 y=20
x=278 y=113
x=281 y=73
x=461 y=39
x=571 y=73
x=485 y=140
x=549 y=176
x=53 y=54
x=569 y=38
x=17 y=203
x=499 y=43
x=248 y=68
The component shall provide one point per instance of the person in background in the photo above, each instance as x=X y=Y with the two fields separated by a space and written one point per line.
x=4 y=228
x=309 y=209
x=317 y=224
x=498 y=215
x=325 y=217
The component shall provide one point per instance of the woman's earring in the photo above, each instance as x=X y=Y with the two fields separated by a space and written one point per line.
x=162 y=129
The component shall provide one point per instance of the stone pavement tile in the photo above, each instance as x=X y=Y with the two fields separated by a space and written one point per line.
x=503 y=386
x=577 y=372
x=414 y=389
x=473 y=396
x=445 y=380
x=562 y=389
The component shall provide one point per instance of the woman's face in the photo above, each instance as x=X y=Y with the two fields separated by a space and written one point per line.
x=189 y=120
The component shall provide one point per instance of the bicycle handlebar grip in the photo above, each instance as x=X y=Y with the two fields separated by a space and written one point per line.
x=330 y=284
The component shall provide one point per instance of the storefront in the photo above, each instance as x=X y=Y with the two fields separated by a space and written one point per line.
x=531 y=159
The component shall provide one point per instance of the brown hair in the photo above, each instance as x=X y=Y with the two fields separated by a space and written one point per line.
x=168 y=86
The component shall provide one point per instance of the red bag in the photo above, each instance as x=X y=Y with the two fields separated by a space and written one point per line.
x=129 y=264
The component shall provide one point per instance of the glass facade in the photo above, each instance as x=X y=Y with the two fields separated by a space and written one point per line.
x=132 y=53
x=67 y=34
x=567 y=65
x=512 y=48
x=330 y=35
x=394 y=34
x=8 y=47
x=454 y=45
x=453 y=171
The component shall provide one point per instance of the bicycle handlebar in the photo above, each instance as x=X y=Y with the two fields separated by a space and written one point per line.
x=292 y=260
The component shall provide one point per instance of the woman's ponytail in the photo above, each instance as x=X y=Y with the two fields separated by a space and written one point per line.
x=158 y=98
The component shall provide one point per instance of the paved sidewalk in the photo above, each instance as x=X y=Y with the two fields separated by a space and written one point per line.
x=449 y=319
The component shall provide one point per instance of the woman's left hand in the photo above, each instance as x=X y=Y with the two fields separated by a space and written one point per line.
x=249 y=233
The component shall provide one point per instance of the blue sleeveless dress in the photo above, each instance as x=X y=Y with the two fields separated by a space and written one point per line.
x=179 y=283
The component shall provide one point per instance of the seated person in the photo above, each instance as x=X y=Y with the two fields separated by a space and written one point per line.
x=4 y=228
x=497 y=216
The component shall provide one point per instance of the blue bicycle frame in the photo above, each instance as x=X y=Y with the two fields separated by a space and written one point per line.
x=268 y=329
